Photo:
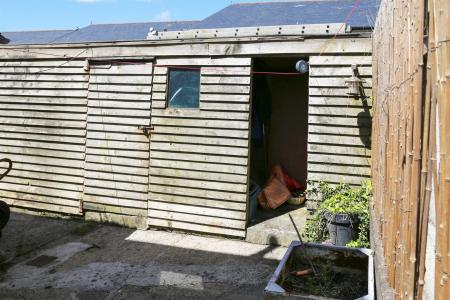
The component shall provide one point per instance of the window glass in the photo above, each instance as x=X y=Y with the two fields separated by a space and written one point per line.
x=184 y=88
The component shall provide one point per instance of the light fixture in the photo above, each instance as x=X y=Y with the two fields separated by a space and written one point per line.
x=302 y=67
x=354 y=83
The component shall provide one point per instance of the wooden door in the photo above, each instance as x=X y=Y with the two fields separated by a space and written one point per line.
x=199 y=157
x=117 y=150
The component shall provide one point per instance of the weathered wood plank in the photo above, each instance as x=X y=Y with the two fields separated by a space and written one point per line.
x=231 y=178
x=118 y=197
x=27 y=172
x=202 y=184
x=339 y=121
x=43 y=85
x=338 y=71
x=30 y=203
x=195 y=227
x=334 y=91
x=226 y=107
x=42 y=122
x=224 y=98
x=339 y=130
x=44 y=93
x=117 y=210
x=50 y=161
x=350 y=141
x=244 y=71
x=225 y=89
x=44 y=77
x=339 y=159
x=43 y=183
x=335 y=82
x=118 y=96
x=43 y=145
x=214 y=221
x=221 y=159
x=338 y=169
x=202 y=114
x=55 y=62
x=39 y=114
x=201 y=123
x=216 y=141
x=115 y=176
x=103 y=111
x=204 y=61
x=40 y=152
x=210 y=203
x=212 y=132
x=117 y=152
x=339 y=101
x=225 y=80
x=189 y=165
x=42 y=137
x=39 y=107
x=110 y=168
x=336 y=178
x=338 y=149
x=35 y=99
x=227 y=196
x=195 y=210
x=122 y=69
x=124 y=105
x=118 y=185
x=121 y=79
x=175 y=147
x=114 y=160
x=361 y=60
x=37 y=193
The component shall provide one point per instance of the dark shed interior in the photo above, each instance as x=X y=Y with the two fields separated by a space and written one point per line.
x=279 y=122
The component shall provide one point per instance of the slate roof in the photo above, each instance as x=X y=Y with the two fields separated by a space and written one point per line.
x=34 y=37
x=3 y=40
x=95 y=33
x=293 y=13
x=235 y=15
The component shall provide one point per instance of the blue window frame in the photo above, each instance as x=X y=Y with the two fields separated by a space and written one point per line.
x=184 y=88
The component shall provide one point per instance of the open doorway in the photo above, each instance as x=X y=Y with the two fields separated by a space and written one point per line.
x=279 y=130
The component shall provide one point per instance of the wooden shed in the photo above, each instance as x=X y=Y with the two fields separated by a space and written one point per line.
x=93 y=131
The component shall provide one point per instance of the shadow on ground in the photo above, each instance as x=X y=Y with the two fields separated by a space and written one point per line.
x=96 y=261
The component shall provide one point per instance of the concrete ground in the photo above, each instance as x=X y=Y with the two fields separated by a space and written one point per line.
x=45 y=258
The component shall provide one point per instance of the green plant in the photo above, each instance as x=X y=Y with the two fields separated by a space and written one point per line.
x=339 y=199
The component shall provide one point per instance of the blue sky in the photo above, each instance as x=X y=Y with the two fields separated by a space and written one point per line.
x=69 y=14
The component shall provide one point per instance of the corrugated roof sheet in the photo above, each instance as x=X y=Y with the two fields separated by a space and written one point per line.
x=235 y=15
x=293 y=13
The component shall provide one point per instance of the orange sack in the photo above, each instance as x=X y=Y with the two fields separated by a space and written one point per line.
x=275 y=193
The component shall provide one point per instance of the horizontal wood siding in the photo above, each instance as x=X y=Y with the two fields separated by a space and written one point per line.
x=199 y=157
x=339 y=125
x=43 y=108
x=117 y=151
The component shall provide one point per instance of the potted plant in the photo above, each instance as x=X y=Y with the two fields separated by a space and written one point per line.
x=342 y=214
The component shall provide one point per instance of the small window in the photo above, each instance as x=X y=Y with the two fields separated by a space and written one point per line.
x=184 y=89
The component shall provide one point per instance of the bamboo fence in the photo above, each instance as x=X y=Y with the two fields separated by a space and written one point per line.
x=411 y=141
